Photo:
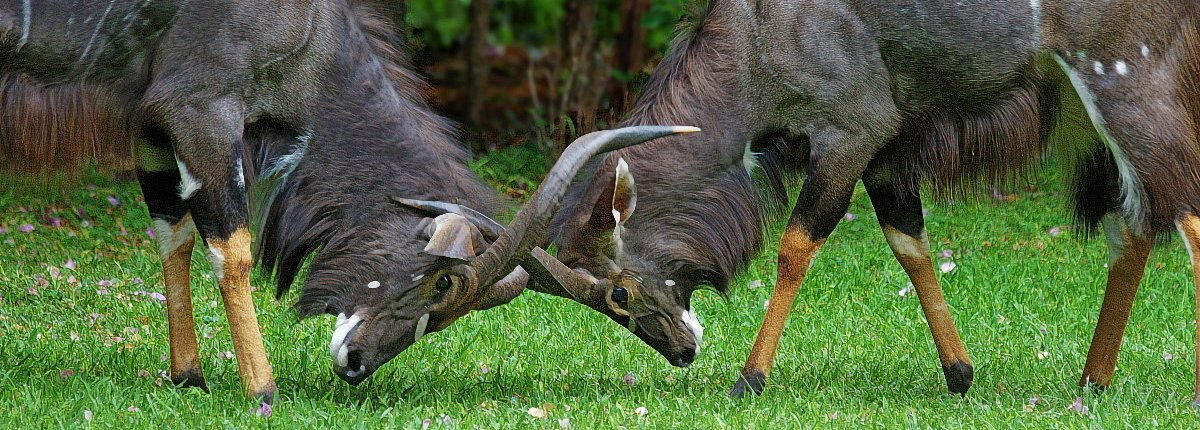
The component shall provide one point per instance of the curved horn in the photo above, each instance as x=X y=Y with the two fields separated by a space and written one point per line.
x=489 y=227
x=551 y=276
x=530 y=225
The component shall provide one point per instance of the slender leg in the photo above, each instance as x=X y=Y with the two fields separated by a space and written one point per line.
x=208 y=146
x=1189 y=228
x=904 y=227
x=1127 y=254
x=821 y=204
x=176 y=235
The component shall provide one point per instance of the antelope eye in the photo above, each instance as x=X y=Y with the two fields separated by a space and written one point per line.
x=444 y=283
x=620 y=295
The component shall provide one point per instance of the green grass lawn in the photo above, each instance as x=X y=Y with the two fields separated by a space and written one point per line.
x=83 y=336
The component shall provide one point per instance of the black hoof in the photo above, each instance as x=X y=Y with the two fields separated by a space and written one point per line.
x=1094 y=386
x=959 y=376
x=190 y=379
x=750 y=382
x=265 y=396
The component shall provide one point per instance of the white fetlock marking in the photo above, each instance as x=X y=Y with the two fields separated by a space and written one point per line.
x=693 y=325
x=421 y=326
x=1114 y=233
x=903 y=244
x=217 y=258
x=337 y=344
x=170 y=239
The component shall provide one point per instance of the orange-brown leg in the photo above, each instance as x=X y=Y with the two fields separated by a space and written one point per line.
x=821 y=204
x=175 y=243
x=1127 y=254
x=899 y=212
x=913 y=255
x=796 y=254
x=231 y=260
x=1189 y=228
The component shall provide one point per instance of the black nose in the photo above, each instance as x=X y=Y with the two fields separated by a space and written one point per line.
x=687 y=356
x=355 y=371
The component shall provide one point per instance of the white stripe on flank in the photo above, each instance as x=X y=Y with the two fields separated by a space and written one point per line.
x=1186 y=244
x=1131 y=187
x=239 y=174
x=26 y=21
x=188 y=184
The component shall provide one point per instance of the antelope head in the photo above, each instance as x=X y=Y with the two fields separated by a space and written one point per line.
x=606 y=271
x=466 y=262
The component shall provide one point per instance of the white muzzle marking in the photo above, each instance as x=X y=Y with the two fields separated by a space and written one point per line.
x=337 y=344
x=421 y=324
x=693 y=325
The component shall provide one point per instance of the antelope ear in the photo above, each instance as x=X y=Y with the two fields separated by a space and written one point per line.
x=452 y=235
x=624 y=200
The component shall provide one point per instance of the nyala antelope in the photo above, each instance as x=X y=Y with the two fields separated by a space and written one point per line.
x=310 y=103
x=903 y=95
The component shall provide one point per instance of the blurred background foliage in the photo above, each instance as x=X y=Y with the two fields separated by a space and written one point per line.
x=534 y=72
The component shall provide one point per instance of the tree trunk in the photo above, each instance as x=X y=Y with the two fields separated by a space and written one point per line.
x=580 y=95
x=477 y=72
x=629 y=54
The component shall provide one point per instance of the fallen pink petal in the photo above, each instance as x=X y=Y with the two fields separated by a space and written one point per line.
x=70 y=264
x=1078 y=406
x=947 y=267
x=264 y=410
x=25 y=228
x=112 y=200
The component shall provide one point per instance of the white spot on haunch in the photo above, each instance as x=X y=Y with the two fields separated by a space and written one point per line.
x=1098 y=67
x=421 y=325
x=217 y=258
x=337 y=344
x=169 y=239
x=418 y=277
x=1145 y=51
x=693 y=325
x=373 y=284
x=1081 y=55
x=188 y=184
x=1121 y=68
x=669 y=283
